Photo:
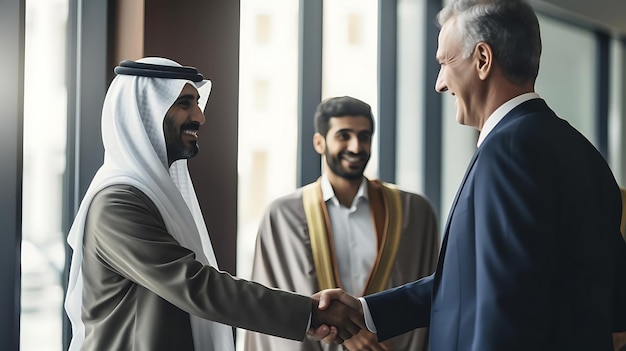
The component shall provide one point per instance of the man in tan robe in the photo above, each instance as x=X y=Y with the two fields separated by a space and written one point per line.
x=345 y=231
x=143 y=274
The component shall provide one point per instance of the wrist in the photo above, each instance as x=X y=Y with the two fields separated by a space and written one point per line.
x=315 y=320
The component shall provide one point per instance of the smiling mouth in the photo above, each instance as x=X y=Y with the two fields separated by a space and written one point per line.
x=352 y=159
x=193 y=133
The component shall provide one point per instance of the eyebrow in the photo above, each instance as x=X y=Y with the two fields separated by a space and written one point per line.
x=353 y=131
x=188 y=97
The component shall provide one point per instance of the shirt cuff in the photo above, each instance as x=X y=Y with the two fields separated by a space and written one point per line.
x=369 y=322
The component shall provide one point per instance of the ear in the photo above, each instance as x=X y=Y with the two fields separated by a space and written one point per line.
x=484 y=59
x=319 y=143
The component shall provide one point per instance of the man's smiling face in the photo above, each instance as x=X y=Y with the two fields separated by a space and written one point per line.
x=347 y=146
x=181 y=124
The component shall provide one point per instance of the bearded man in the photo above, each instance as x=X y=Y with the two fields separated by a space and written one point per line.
x=143 y=274
x=345 y=230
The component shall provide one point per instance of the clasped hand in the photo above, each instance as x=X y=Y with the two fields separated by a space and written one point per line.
x=336 y=316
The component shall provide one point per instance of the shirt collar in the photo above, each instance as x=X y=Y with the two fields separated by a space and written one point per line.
x=501 y=111
x=328 y=193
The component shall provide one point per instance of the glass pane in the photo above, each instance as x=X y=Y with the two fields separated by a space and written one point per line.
x=349 y=57
x=617 y=111
x=268 y=115
x=410 y=95
x=458 y=146
x=43 y=245
x=567 y=73
x=268 y=110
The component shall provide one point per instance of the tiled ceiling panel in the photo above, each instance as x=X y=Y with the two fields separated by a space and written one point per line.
x=606 y=14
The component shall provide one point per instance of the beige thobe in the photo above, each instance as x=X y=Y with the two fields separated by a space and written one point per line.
x=140 y=285
x=283 y=259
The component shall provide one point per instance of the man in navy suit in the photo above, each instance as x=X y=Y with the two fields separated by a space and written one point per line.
x=532 y=257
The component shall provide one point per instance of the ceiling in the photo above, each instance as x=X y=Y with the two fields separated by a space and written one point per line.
x=608 y=15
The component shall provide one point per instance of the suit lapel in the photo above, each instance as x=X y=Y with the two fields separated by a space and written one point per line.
x=526 y=107
x=444 y=243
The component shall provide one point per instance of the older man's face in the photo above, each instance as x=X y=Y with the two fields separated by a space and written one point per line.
x=458 y=75
x=181 y=124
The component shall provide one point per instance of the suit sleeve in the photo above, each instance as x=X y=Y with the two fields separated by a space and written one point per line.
x=132 y=240
x=401 y=309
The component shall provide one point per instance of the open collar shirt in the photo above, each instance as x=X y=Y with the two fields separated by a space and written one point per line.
x=353 y=235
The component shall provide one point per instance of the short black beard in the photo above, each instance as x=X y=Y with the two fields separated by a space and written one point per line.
x=176 y=148
x=178 y=151
x=334 y=164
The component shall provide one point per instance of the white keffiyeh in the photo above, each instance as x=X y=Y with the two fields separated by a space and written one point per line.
x=135 y=154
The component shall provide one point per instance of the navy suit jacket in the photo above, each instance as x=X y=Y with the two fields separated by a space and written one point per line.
x=532 y=257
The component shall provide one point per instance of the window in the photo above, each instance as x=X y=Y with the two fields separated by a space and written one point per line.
x=267 y=116
x=263 y=28
x=43 y=245
x=349 y=57
x=567 y=73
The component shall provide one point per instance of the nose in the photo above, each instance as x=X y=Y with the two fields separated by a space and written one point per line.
x=440 y=84
x=354 y=145
x=198 y=116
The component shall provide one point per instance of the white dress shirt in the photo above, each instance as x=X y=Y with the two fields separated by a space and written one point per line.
x=354 y=236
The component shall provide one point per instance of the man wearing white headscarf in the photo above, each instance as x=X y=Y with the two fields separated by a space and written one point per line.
x=143 y=274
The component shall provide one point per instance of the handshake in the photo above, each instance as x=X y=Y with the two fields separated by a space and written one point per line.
x=337 y=317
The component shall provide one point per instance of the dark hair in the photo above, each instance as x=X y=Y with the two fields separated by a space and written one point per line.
x=510 y=27
x=339 y=107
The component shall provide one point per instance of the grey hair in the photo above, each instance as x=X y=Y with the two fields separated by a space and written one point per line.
x=509 y=27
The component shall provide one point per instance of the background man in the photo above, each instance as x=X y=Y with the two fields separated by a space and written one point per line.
x=143 y=274
x=345 y=230
x=532 y=257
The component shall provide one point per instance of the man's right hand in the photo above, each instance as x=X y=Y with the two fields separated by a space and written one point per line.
x=346 y=317
x=337 y=312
